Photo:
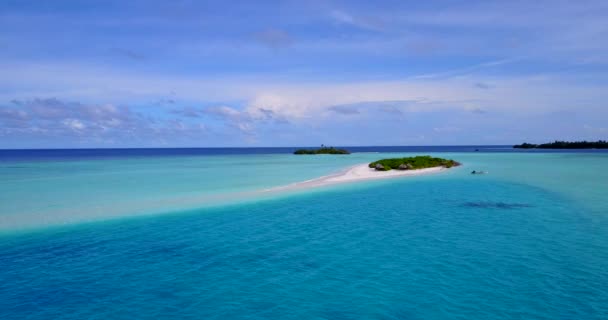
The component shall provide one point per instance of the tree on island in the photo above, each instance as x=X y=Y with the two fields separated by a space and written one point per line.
x=600 y=144
x=322 y=150
x=412 y=163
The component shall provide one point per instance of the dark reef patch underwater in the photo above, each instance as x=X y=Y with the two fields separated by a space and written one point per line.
x=495 y=205
x=353 y=253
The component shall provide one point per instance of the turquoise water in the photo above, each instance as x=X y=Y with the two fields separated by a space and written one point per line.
x=527 y=241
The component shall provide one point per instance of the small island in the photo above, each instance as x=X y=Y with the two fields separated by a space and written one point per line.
x=600 y=144
x=412 y=163
x=381 y=169
x=322 y=150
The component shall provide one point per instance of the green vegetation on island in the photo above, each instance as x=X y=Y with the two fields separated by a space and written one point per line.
x=600 y=144
x=412 y=163
x=322 y=150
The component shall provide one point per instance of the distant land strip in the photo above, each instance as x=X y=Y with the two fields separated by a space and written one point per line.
x=600 y=144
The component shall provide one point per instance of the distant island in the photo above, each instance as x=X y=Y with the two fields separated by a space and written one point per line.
x=600 y=144
x=322 y=150
x=412 y=163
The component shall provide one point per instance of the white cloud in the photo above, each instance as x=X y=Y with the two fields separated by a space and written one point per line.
x=523 y=95
x=53 y=118
x=223 y=111
x=268 y=98
x=73 y=124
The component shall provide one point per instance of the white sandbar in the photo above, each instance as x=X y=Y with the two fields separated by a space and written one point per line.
x=359 y=172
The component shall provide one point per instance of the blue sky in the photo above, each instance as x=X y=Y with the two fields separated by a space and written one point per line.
x=292 y=73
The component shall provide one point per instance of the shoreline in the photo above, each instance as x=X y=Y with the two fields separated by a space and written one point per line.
x=360 y=172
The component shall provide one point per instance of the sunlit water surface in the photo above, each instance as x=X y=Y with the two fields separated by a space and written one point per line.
x=191 y=237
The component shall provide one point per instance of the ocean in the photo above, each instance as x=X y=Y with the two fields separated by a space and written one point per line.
x=194 y=234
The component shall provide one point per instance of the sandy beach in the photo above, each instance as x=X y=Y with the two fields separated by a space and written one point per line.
x=356 y=173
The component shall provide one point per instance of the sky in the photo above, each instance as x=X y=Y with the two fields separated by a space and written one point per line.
x=103 y=74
